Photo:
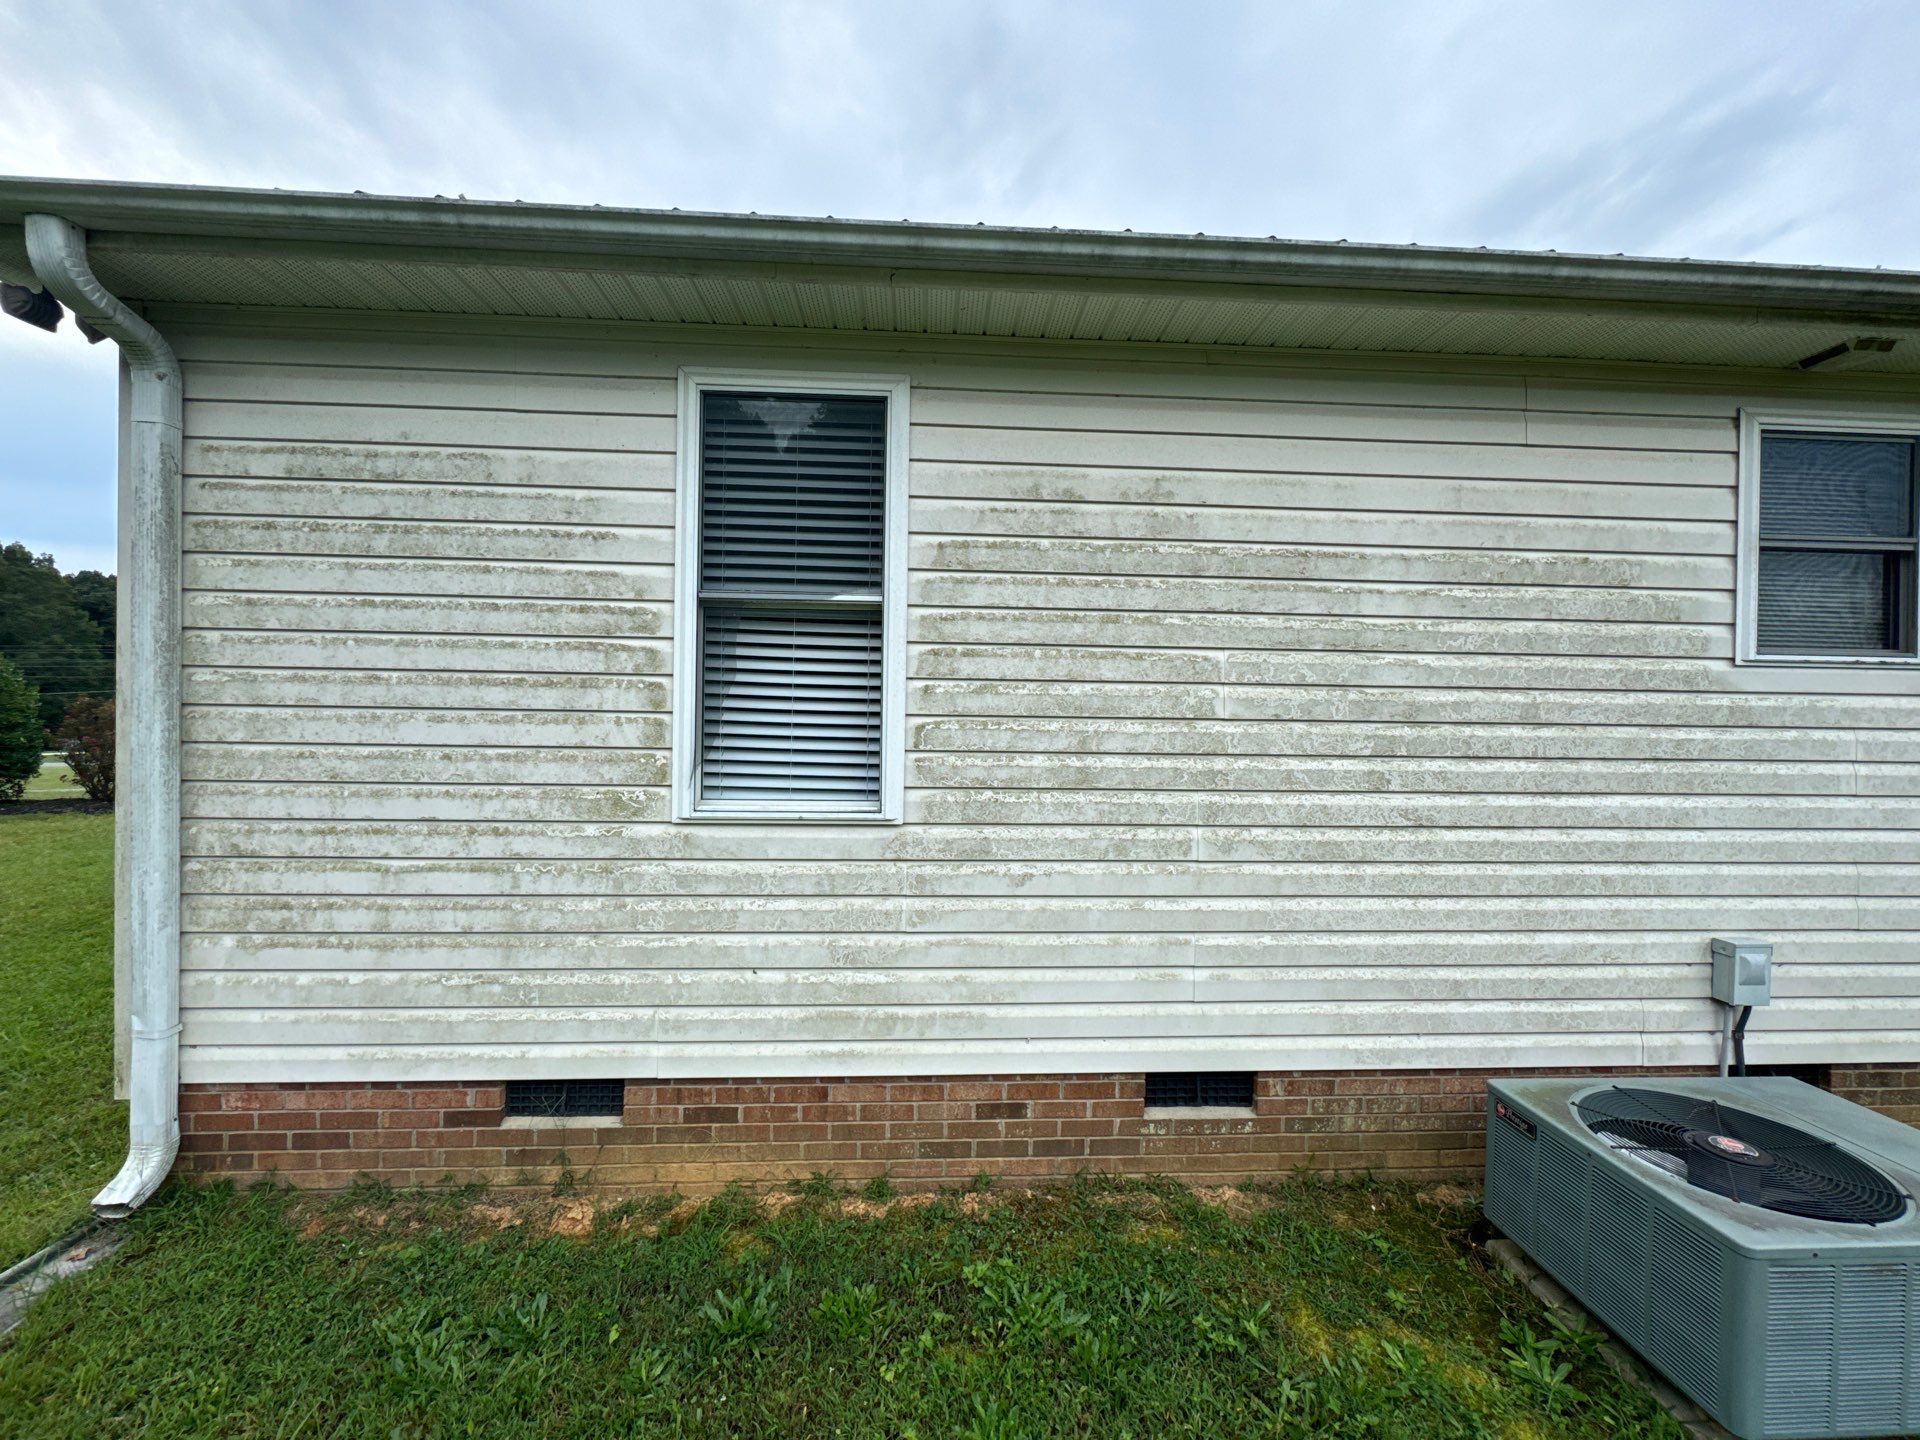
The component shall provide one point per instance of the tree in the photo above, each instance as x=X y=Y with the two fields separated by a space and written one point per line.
x=21 y=733
x=96 y=594
x=47 y=634
x=86 y=734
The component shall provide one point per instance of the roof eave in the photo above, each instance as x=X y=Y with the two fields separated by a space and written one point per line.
x=1891 y=297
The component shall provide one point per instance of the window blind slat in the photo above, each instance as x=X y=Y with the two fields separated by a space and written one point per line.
x=1835 y=486
x=790 y=705
x=1815 y=602
x=792 y=492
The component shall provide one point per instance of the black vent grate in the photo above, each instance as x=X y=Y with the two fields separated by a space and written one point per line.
x=564 y=1099
x=1742 y=1156
x=1215 y=1089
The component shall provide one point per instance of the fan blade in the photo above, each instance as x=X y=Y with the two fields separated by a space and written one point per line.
x=1710 y=1173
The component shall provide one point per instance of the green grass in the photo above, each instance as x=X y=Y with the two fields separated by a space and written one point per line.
x=61 y=1131
x=1101 y=1311
x=54 y=782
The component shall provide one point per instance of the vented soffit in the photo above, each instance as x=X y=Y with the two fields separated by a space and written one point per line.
x=189 y=245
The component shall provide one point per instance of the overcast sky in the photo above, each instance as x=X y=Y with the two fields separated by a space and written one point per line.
x=1735 y=131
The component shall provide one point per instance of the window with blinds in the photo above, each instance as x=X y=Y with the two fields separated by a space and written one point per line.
x=1834 y=574
x=790 y=609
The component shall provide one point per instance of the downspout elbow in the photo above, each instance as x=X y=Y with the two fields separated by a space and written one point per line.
x=148 y=695
x=146 y=1167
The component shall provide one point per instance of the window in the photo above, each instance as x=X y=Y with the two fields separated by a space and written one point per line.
x=1192 y=1089
x=564 y=1099
x=789 y=654
x=1828 y=547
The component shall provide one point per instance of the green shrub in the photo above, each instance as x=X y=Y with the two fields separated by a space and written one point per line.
x=87 y=737
x=20 y=734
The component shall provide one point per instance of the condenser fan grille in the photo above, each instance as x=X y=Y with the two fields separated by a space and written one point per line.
x=1744 y=1157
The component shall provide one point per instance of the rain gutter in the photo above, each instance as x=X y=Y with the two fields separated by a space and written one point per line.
x=148 y=705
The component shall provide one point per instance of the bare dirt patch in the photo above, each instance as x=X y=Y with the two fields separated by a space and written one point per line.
x=572 y=1218
x=1230 y=1198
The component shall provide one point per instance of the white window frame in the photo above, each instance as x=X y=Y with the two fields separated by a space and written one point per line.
x=1753 y=424
x=686 y=604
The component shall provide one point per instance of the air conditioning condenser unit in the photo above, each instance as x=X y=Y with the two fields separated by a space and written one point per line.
x=1756 y=1240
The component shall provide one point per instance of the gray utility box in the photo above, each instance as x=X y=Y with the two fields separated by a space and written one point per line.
x=1781 y=1326
x=1742 y=972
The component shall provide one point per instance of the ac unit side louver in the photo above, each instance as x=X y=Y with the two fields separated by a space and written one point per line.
x=1756 y=1240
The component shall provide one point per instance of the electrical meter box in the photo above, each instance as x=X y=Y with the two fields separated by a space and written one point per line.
x=1742 y=972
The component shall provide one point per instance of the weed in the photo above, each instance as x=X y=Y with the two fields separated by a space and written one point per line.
x=1096 y=1351
x=1014 y=1309
x=851 y=1310
x=427 y=1350
x=747 y=1314
x=1536 y=1360
x=647 y=1370
x=994 y=1419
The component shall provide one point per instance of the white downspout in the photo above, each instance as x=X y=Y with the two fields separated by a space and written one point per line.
x=148 y=708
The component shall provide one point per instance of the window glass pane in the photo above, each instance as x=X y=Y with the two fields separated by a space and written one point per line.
x=790 y=706
x=792 y=492
x=1822 y=485
x=1816 y=602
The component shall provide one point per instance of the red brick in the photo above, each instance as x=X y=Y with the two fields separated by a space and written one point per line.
x=1059 y=1147
x=1092 y=1090
x=916 y=1130
x=322 y=1139
x=916 y=1091
x=1034 y=1090
x=942 y=1110
x=206 y=1123
x=977 y=1090
x=1001 y=1109
x=701 y=1134
x=454 y=1119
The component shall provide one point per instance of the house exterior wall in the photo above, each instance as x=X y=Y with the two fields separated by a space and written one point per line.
x=1283 y=713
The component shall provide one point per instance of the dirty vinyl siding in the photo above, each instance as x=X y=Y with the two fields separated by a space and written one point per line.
x=1271 y=715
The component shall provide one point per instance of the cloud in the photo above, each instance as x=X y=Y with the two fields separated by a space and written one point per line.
x=1649 y=188
x=1738 y=131
x=58 y=436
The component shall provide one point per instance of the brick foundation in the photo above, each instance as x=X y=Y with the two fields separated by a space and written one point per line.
x=700 y=1135
x=1891 y=1089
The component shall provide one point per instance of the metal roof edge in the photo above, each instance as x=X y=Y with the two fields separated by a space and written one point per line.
x=361 y=219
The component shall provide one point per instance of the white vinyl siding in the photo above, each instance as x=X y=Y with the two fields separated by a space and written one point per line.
x=1259 y=713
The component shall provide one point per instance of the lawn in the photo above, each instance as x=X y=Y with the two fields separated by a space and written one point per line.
x=54 y=782
x=61 y=1132
x=1101 y=1309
